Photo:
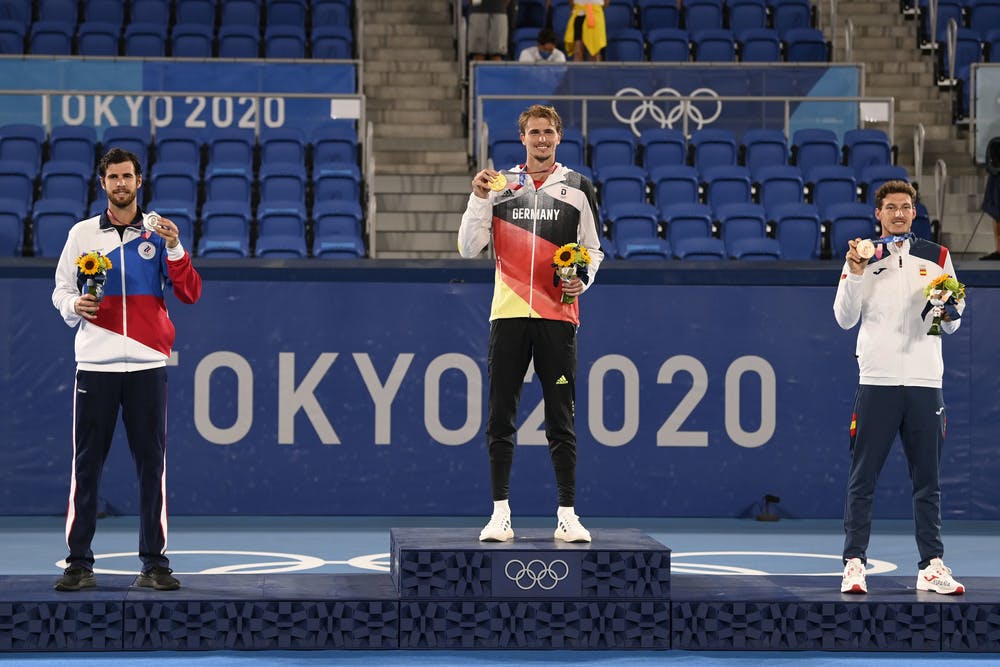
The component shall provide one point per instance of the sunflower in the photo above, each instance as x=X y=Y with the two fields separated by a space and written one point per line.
x=566 y=255
x=946 y=282
x=92 y=263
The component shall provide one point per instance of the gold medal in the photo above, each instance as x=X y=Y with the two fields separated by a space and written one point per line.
x=865 y=249
x=498 y=182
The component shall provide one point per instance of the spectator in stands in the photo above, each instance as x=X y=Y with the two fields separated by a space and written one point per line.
x=586 y=35
x=534 y=316
x=545 y=51
x=882 y=285
x=121 y=366
x=991 y=198
x=489 y=29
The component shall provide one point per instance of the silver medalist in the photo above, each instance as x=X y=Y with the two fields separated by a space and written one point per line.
x=151 y=221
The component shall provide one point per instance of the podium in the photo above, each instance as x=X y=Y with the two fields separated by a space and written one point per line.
x=534 y=592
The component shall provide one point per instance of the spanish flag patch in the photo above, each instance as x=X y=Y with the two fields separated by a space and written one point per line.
x=923 y=270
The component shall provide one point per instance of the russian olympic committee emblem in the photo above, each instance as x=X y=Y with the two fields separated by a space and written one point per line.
x=665 y=107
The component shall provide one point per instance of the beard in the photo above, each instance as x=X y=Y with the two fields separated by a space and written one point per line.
x=121 y=199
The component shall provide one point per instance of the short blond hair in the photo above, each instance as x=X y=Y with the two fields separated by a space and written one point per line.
x=540 y=111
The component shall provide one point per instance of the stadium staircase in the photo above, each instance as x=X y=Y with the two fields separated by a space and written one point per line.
x=886 y=41
x=414 y=101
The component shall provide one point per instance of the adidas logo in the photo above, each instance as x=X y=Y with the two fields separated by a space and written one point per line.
x=562 y=380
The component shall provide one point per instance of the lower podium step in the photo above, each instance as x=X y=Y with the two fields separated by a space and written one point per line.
x=532 y=592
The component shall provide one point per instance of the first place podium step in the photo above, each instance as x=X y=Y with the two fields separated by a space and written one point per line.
x=533 y=592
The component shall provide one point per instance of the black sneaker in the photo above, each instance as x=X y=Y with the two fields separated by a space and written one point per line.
x=160 y=578
x=74 y=578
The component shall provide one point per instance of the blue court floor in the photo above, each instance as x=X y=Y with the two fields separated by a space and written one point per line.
x=267 y=545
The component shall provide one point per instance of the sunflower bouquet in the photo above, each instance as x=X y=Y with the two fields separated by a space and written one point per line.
x=570 y=260
x=938 y=292
x=92 y=271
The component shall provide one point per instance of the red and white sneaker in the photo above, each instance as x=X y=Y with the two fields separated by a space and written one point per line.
x=936 y=577
x=854 y=577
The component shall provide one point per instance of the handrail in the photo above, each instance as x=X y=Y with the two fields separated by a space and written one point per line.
x=848 y=40
x=940 y=185
x=952 y=46
x=919 y=133
x=371 y=200
x=932 y=8
x=833 y=27
x=685 y=102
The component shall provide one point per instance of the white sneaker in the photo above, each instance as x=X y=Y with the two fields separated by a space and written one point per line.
x=936 y=577
x=854 y=577
x=569 y=529
x=498 y=529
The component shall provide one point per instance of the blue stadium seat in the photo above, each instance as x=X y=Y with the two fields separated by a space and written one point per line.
x=815 y=147
x=74 y=143
x=61 y=11
x=145 y=40
x=789 y=14
x=337 y=141
x=231 y=150
x=240 y=12
x=764 y=148
x=195 y=12
x=754 y=250
x=611 y=146
x=625 y=184
x=634 y=227
x=968 y=50
x=777 y=185
x=572 y=148
x=98 y=38
x=866 y=147
x=798 y=230
x=873 y=176
x=23 y=142
x=332 y=42
x=17 y=181
x=337 y=230
x=104 y=11
x=281 y=234
x=712 y=147
x=191 y=40
x=524 y=38
x=238 y=41
x=674 y=184
x=224 y=184
x=703 y=15
x=717 y=45
x=283 y=144
x=583 y=170
x=12 y=35
x=847 y=222
x=174 y=144
x=152 y=12
x=18 y=11
x=532 y=14
x=66 y=180
x=984 y=15
x=700 y=249
x=806 y=45
x=12 y=215
x=286 y=12
x=173 y=181
x=947 y=10
x=337 y=180
x=132 y=138
x=669 y=45
x=51 y=220
x=51 y=38
x=182 y=213
x=685 y=221
x=727 y=184
x=746 y=14
x=922 y=226
x=506 y=152
x=991 y=46
x=284 y=41
x=740 y=221
x=560 y=16
x=658 y=14
x=625 y=45
x=331 y=13
x=660 y=146
x=283 y=182
x=225 y=229
x=759 y=45
x=832 y=184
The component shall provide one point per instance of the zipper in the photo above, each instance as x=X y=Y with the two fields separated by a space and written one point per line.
x=121 y=264
x=534 y=235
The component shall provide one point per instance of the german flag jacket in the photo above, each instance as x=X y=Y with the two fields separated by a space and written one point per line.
x=527 y=226
x=132 y=330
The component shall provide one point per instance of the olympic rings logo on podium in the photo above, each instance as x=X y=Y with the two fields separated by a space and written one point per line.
x=536 y=573
x=674 y=113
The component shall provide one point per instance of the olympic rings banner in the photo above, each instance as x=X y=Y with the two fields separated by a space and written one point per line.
x=226 y=102
x=354 y=391
x=628 y=84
